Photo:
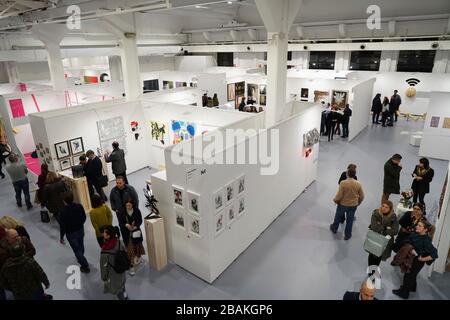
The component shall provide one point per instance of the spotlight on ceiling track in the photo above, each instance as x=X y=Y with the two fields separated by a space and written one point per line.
x=435 y=45
x=363 y=46
x=305 y=47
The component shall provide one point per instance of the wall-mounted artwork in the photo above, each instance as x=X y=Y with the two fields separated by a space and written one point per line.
x=238 y=101
x=193 y=202
x=194 y=225
x=240 y=88
x=218 y=200
x=220 y=223
x=434 y=123
x=110 y=130
x=90 y=79
x=135 y=129
x=76 y=146
x=231 y=92
x=310 y=138
x=231 y=214
x=62 y=150
x=230 y=192
x=320 y=96
x=253 y=92
x=167 y=85
x=262 y=89
x=339 y=98
x=104 y=77
x=160 y=133
x=180 y=84
x=76 y=160
x=178 y=196
x=65 y=164
x=446 y=124
x=17 y=109
x=304 y=94
x=240 y=206
x=180 y=218
x=240 y=184
x=106 y=145
x=182 y=130
x=262 y=100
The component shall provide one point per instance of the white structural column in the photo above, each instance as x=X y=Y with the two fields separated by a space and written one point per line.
x=342 y=60
x=115 y=68
x=441 y=61
x=9 y=67
x=278 y=17
x=123 y=28
x=389 y=60
x=51 y=35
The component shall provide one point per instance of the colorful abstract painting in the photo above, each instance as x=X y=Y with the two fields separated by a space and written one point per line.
x=182 y=130
x=159 y=133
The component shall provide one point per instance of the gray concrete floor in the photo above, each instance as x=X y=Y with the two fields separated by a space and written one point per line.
x=297 y=257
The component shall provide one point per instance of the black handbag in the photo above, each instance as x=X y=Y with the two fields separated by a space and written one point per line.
x=45 y=217
x=102 y=181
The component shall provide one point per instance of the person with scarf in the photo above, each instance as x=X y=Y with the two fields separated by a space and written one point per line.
x=408 y=223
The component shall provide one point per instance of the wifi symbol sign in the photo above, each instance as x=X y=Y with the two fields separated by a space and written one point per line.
x=413 y=81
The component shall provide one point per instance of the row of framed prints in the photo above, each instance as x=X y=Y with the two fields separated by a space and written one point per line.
x=69 y=162
x=69 y=148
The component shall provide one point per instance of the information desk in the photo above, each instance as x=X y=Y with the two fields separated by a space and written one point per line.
x=80 y=189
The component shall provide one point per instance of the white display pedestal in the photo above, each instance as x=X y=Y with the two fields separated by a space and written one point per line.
x=415 y=140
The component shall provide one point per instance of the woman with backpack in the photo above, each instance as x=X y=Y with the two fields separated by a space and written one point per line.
x=111 y=271
x=130 y=222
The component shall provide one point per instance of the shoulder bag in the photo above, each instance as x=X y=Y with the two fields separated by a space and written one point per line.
x=375 y=243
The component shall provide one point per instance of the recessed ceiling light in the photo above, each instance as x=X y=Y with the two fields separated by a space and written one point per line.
x=201 y=7
x=230 y=2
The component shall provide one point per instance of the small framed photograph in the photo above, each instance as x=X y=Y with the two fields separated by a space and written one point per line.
x=240 y=204
x=218 y=200
x=219 y=223
x=76 y=145
x=231 y=214
x=41 y=146
x=76 y=160
x=240 y=184
x=47 y=150
x=62 y=150
x=178 y=196
x=65 y=164
x=41 y=154
x=194 y=225
x=180 y=218
x=37 y=147
x=230 y=192
x=193 y=202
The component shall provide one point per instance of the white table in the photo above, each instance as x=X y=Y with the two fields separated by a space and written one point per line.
x=401 y=210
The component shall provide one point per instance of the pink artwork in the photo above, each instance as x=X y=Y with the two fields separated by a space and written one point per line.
x=17 y=110
x=22 y=86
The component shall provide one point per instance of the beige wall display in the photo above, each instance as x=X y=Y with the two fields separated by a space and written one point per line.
x=446 y=124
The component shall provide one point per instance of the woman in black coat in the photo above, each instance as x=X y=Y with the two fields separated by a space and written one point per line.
x=422 y=175
x=408 y=223
x=376 y=108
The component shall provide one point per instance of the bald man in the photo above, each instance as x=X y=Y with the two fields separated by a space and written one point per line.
x=365 y=293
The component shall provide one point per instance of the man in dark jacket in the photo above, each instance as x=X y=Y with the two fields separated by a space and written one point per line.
x=391 y=182
x=72 y=219
x=365 y=293
x=23 y=276
x=345 y=120
x=117 y=159
x=120 y=194
x=377 y=107
x=94 y=171
x=394 y=105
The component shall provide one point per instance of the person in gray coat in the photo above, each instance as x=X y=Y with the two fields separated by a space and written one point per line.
x=114 y=282
x=117 y=160
x=119 y=196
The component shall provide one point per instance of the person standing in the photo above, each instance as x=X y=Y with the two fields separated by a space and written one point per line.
x=425 y=253
x=23 y=276
x=117 y=160
x=130 y=221
x=384 y=111
x=394 y=105
x=5 y=152
x=391 y=182
x=18 y=175
x=119 y=196
x=72 y=219
x=422 y=176
x=349 y=196
x=376 y=108
x=408 y=223
x=94 y=172
x=384 y=221
x=114 y=282
x=345 y=120
x=344 y=174
x=215 y=100
x=205 y=100
x=100 y=216
x=52 y=196
x=41 y=184
x=242 y=105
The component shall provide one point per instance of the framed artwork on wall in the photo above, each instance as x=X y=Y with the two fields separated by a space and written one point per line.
x=76 y=160
x=193 y=202
x=253 y=92
x=219 y=223
x=160 y=133
x=178 y=196
x=230 y=192
x=231 y=92
x=339 y=98
x=76 y=146
x=240 y=88
x=65 y=164
x=262 y=100
x=262 y=89
x=304 y=94
x=231 y=214
x=180 y=218
x=62 y=150
x=240 y=184
x=320 y=96
x=167 y=84
x=446 y=124
x=218 y=200
x=240 y=206
x=434 y=123
x=194 y=225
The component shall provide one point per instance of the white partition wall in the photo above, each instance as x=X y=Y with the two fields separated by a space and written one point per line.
x=436 y=132
x=208 y=253
x=361 y=106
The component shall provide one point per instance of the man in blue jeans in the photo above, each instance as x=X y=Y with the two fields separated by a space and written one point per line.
x=349 y=196
x=72 y=218
x=18 y=175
